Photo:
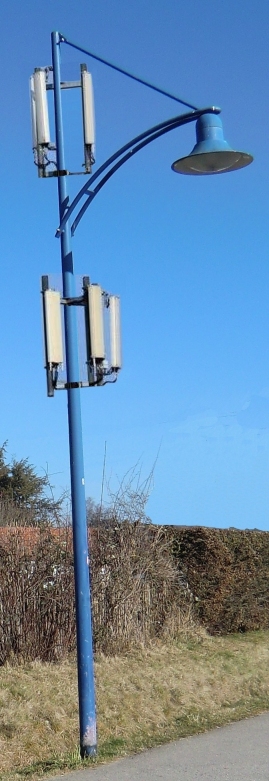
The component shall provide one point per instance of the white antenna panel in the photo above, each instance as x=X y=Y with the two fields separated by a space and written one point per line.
x=115 y=332
x=96 y=322
x=88 y=107
x=53 y=327
x=41 y=108
x=33 y=112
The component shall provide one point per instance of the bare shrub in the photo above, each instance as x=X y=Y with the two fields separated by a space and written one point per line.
x=137 y=592
x=37 y=619
x=137 y=595
x=148 y=582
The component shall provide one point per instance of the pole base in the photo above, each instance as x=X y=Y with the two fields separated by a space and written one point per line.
x=88 y=751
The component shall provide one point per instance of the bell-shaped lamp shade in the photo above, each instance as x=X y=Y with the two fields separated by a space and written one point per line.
x=211 y=153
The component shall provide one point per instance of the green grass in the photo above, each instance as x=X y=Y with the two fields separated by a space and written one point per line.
x=145 y=698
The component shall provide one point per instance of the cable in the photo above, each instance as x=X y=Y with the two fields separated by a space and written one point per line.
x=63 y=39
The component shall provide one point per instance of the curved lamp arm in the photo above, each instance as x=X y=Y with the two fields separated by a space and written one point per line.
x=133 y=146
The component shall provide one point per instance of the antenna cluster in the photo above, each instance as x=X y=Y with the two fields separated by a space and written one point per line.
x=101 y=321
x=45 y=152
x=103 y=344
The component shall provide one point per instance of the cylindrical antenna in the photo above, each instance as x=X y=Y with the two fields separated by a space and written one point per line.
x=88 y=116
x=53 y=327
x=41 y=107
x=33 y=112
x=96 y=323
x=115 y=333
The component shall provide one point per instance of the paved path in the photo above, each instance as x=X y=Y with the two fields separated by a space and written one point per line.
x=238 y=752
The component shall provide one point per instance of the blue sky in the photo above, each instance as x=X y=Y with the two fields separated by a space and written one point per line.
x=187 y=255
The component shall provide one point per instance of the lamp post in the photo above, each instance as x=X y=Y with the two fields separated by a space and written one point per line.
x=211 y=154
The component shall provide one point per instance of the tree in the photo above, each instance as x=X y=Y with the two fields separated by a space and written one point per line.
x=127 y=504
x=24 y=498
x=96 y=514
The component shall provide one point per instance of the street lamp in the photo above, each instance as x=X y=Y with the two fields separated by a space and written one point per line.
x=211 y=154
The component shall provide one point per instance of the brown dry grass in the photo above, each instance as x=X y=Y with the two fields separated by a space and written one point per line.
x=144 y=698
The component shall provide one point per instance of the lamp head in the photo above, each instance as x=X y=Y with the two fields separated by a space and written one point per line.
x=211 y=153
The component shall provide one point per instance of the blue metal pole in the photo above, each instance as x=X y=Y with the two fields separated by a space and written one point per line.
x=86 y=693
